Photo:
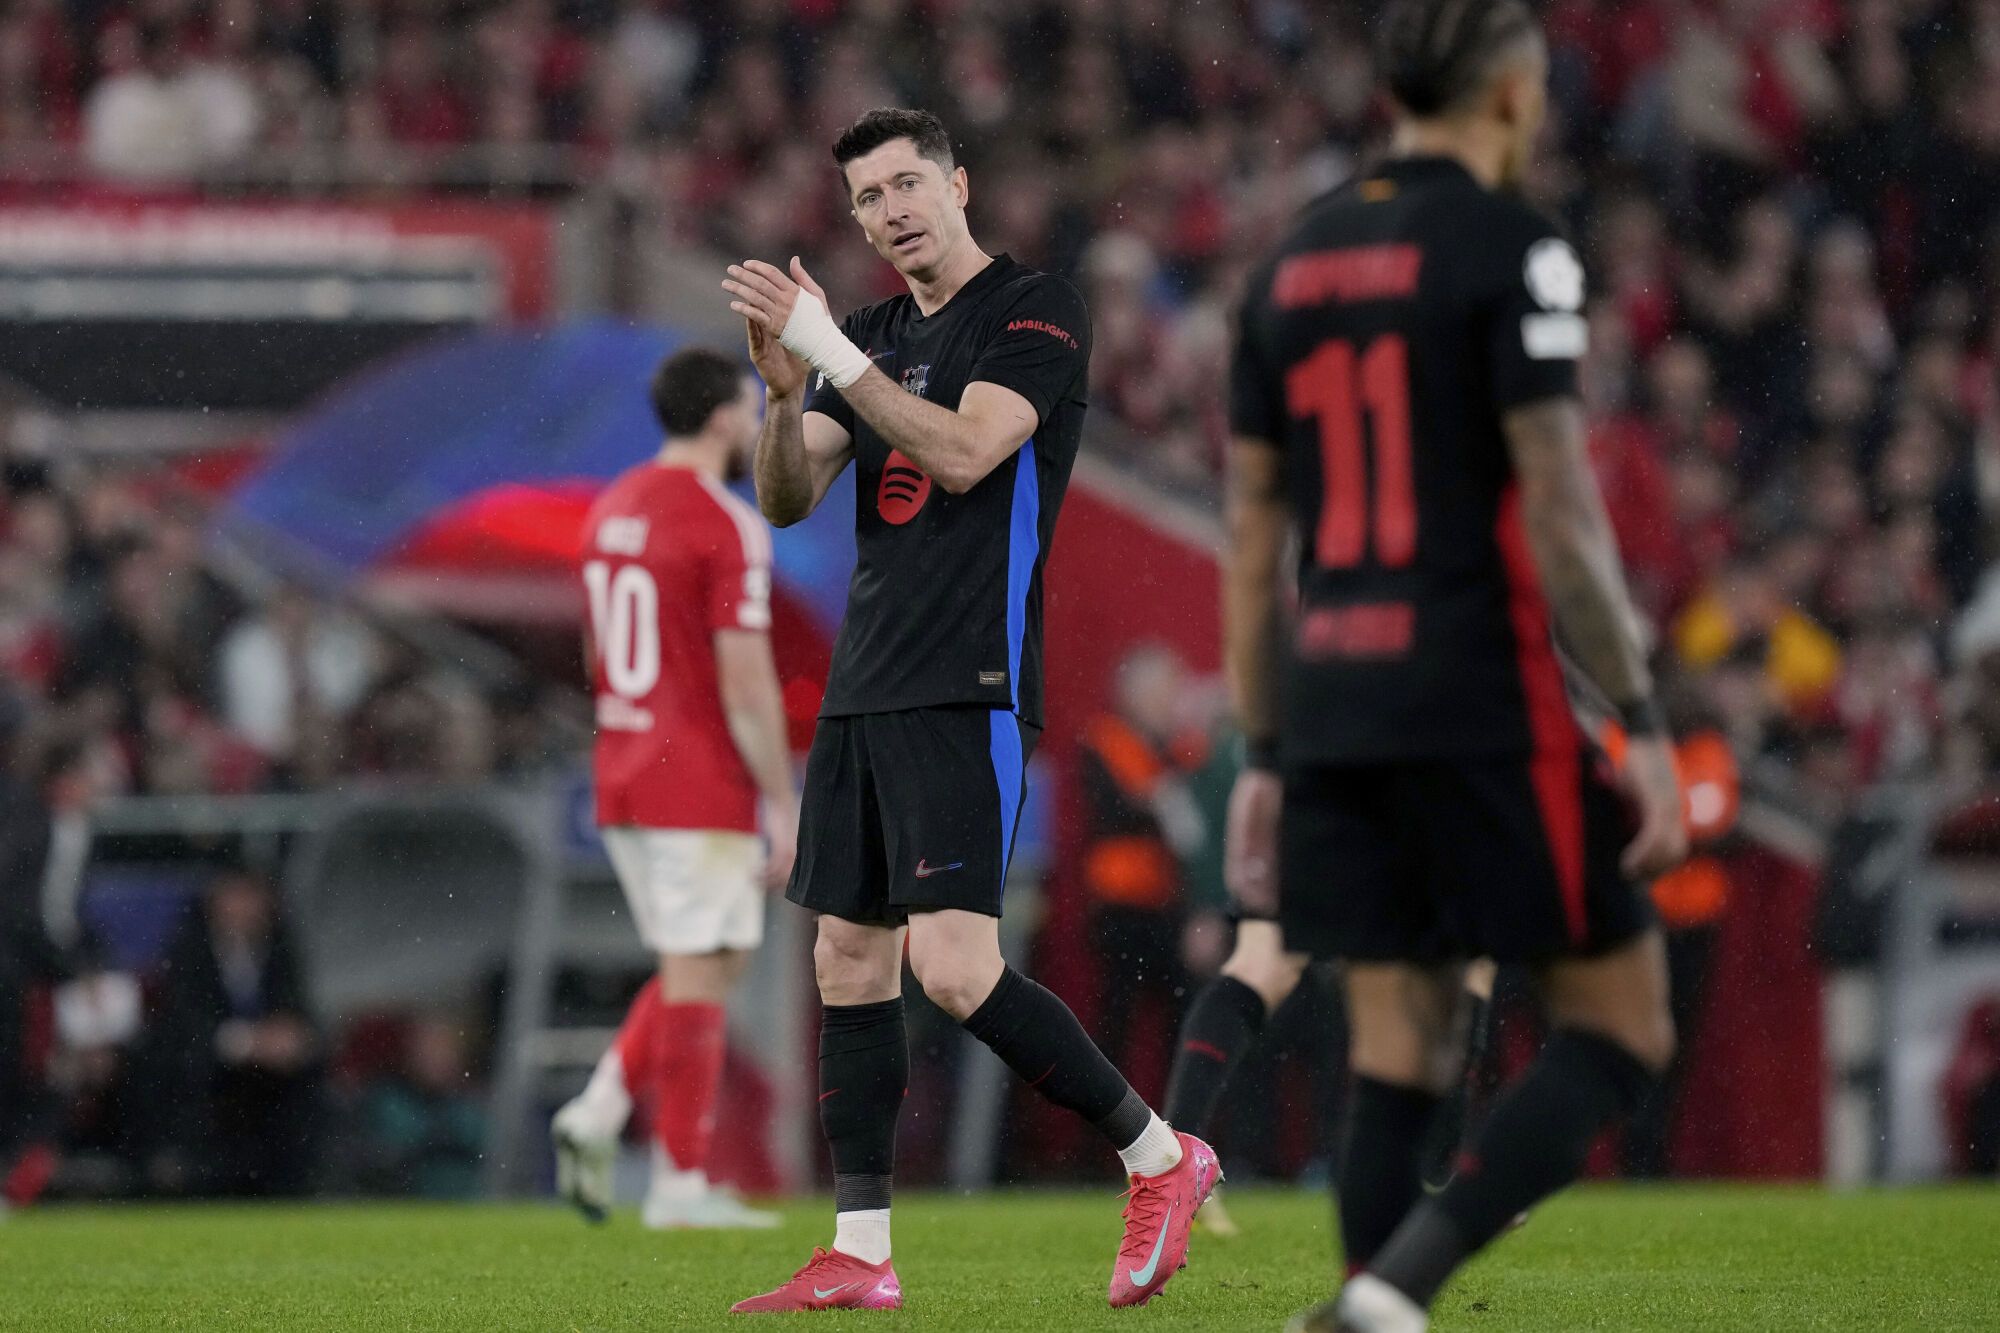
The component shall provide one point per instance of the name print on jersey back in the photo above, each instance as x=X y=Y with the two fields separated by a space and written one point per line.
x=1379 y=351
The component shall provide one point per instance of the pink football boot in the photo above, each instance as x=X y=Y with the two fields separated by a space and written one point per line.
x=1159 y=1213
x=832 y=1281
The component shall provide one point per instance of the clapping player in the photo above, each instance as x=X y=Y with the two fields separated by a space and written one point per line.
x=959 y=406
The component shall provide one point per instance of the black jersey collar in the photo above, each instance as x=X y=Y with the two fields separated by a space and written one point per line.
x=992 y=273
x=1420 y=166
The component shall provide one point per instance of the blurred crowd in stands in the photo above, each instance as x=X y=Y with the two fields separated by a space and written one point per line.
x=119 y=643
x=1787 y=207
x=209 y=1071
x=128 y=667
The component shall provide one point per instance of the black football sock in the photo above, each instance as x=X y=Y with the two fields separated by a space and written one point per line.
x=1459 y=1114
x=1222 y=1025
x=1039 y=1038
x=1381 y=1163
x=1534 y=1143
x=864 y=1067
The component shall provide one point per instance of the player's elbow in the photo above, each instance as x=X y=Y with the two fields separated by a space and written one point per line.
x=781 y=512
x=736 y=698
x=1556 y=523
x=959 y=475
x=742 y=735
x=744 y=673
x=742 y=689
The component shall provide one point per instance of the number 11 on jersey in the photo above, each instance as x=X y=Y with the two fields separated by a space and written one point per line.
x=1337 y=387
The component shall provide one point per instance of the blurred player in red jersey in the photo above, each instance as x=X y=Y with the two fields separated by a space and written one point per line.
x=690 y=734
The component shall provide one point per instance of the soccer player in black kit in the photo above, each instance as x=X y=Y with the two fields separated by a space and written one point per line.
x=1404 y=395
x=960 y=406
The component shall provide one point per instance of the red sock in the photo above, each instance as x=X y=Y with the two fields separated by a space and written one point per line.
x=639 y=1039
x=688 y=1073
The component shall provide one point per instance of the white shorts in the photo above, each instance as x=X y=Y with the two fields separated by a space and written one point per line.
x=691 y=890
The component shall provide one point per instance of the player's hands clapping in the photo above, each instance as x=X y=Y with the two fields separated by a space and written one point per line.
x=1250 y=846
x=765 y=296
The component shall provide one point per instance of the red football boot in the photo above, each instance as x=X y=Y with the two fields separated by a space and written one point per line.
x=831 y=1281
x=1159 y=1213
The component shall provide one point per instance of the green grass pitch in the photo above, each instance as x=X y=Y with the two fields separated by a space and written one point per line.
x=1677 y=1257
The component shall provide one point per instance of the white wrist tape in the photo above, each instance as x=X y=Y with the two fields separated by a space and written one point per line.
x=812 y=336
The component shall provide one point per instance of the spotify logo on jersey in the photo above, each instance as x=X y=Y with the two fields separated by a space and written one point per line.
x=903 y=490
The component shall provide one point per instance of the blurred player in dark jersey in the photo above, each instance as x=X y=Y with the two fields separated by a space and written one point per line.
x=1223 y=1024
x=1404 y=396
x=960 y=406
x=1226 y=1020
x=690 y=735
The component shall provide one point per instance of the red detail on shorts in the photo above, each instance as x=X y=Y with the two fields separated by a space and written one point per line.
x=1045 y=1073
x=1354 y=1270
x=1556 y=768
x=1214 y=1053
x=834 y=1092
x=903 y=489
x=1468 y=1164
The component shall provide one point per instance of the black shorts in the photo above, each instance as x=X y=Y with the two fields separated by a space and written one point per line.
x=910 y=812
x=1510 y=858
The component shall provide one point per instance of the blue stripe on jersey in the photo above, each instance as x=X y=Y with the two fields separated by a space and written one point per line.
x=1024 y=547
x=1010 y=776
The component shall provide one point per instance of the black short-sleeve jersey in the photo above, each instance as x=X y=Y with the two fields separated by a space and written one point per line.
x=1378 y=349
x=945 y=606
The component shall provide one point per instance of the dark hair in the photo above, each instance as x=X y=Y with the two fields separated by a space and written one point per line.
x=1433 y=54
x=690 y=385
x=887 y=124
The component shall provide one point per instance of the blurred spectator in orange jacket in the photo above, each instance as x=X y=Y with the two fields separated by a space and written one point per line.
x=1690 y=900
x=1140 y=820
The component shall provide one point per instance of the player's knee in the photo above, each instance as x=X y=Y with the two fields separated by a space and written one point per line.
x=956 y=959
x=956 y=978
x=848 y=969
x=705 y=978
x=953 y=980
x=953 y=990
x=1274 y=975
x=1402 y=1062
x=1653 y=1041
x=1390 y=1048
x=1648 y=1038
